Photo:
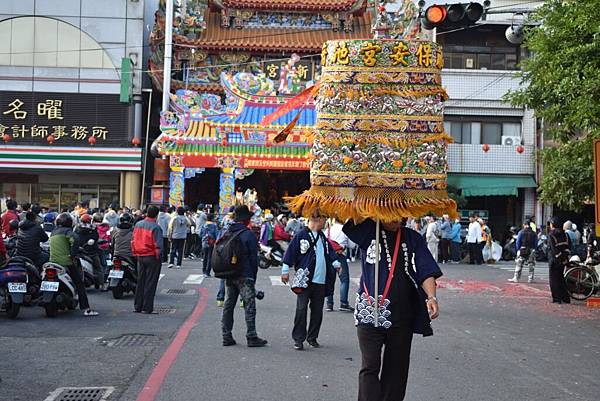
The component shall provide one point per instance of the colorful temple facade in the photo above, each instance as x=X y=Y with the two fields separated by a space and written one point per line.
x=234 y=62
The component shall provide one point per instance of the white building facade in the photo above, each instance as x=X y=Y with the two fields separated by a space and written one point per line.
x=492 y=161
x=66 y=134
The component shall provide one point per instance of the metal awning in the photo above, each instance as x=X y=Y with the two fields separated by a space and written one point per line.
x=490 y=185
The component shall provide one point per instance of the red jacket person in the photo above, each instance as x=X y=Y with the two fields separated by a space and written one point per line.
x=147 y=247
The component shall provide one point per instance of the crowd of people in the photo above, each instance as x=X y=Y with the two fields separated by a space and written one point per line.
x=315 y=253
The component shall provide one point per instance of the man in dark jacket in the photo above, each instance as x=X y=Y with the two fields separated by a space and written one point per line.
x=121 y=238
x=243 y=285
x=87 y=232
x=406 y=303
x=29 y=237
x=313 y=258
x=558 y=256
x=147 y=246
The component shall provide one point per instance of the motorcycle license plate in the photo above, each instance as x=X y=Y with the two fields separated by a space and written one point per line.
x=51 y=286
x=17 y=287
x=116 y=274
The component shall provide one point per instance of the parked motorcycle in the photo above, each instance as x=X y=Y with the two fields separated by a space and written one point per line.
x=34 y=278
x=122 y=276
x=541 y=252
x=268 y=257
x=87 y=266
x=13 y=287
x=57 y=290
x=509 y=250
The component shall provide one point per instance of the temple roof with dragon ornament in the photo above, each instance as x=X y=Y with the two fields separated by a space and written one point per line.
x=243 y=35
x=202 y=130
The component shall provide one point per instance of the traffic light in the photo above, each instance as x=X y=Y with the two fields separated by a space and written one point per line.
x=452 y=15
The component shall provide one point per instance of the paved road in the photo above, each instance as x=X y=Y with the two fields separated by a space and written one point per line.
x=494 y=341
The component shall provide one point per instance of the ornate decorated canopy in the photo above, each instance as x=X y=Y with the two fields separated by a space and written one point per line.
x=380 y=148
x=202 y=131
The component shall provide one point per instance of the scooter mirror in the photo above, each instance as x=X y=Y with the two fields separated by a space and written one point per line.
x=91 y=242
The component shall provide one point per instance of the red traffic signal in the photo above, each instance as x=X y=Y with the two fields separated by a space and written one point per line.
x=452 y=15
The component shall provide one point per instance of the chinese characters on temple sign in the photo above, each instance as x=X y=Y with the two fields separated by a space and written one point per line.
x=399 y=55
x=424 y=55
x=272 y=70
x=341 y=54
x=288 y=164
x=370 y=50
x=302 y=72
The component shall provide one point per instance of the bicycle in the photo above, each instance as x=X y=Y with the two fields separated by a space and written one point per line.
x=583 y=279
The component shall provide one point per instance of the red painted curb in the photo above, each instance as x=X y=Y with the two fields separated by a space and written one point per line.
x=160 y=371
x=593 y=302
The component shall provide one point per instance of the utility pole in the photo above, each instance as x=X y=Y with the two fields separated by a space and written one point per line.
x=168 y=55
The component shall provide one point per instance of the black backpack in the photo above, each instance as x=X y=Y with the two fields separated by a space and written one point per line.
x=226 y=256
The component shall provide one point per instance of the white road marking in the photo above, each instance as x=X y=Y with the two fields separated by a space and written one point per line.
x=161 y=276
x=276 y=280
x=195 y=279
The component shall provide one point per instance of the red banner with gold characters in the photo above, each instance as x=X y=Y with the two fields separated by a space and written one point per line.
x=250 y=162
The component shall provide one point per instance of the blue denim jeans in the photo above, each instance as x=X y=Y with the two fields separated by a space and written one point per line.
x=344 y=275
x=221 y=293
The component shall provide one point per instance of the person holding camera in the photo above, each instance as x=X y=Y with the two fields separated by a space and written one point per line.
x=243 y=283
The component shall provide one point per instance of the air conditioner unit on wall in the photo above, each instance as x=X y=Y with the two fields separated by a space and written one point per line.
x=511 y=140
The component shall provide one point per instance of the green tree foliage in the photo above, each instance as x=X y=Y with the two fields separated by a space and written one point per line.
x=561 y=82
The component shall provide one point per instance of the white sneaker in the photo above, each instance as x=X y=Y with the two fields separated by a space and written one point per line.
x=178 y=266
x=513 y=280
x=170 y=265
x=530 y=280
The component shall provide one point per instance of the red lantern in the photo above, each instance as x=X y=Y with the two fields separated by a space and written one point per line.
x=268 y=144
x=520 y=149
x=50 y=139
x=485 y=147
x=179 y=141
x=6 y=138
x=92 y=140
x=224 y=142
x=136 y=141
x=382 y=8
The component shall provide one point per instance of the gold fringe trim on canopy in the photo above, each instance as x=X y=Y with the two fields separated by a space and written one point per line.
x=359 y=203
x=352 y=94
x=400 y=141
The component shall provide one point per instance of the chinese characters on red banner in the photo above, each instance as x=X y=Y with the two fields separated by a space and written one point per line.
x=51 y=111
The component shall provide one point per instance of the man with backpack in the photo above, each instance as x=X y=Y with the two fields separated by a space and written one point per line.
x=235 y=258
x=526 y=245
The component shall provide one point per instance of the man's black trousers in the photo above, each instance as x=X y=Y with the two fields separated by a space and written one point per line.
x=558 y=285
x=312 y=297
x=148 y=274
x=387 y=381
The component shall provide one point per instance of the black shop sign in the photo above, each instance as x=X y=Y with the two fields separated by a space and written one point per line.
x=63 y=119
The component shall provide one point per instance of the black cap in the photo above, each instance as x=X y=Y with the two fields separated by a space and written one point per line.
x=242 y=213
